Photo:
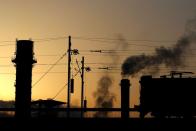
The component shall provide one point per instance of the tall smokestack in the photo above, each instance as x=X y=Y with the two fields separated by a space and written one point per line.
x=24 y=61
x=125 y=87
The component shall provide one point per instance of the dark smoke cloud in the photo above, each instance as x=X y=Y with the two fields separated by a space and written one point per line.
x=170 y=57
x=104 y=97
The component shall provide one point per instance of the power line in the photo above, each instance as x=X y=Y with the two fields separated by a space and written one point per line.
x=61 y=89
x=109 y=70
x=94 y=38
x=103 y=50
x=7 y=44
x=35 y=40
x=44 y=55
x=102 y=40
x=98 y=39
x=60 y=64
x=6 y=41
x=118 y=54
x=128 y=40
x=57 y=72
x=110 y=42
x=48 y=70
x=108 y=55
x=89 y=63
x=49 y=55
x=53 y=72
x=50 y=39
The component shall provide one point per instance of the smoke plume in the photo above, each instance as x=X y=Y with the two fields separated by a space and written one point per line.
x=170 y=57
x=104 y=97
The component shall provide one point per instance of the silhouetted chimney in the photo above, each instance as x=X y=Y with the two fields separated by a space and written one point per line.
x=24 y=61
x=125 y=86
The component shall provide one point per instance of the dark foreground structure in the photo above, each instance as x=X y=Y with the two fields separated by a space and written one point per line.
x=24 y=60
x=125 y=97
x=173 y=96
x=97 y=124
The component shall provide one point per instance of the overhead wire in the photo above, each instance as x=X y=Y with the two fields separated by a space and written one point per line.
x=102 y=40
x=50 y=39
x=61 y=89
x=48 y=70
x=128 y=40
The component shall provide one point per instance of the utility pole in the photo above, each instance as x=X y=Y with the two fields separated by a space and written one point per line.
x=69 y=76
x=82 y=88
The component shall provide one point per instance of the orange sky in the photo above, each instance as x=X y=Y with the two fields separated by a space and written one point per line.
x=35 y=19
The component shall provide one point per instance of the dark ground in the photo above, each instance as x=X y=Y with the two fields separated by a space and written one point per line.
x=97 y=124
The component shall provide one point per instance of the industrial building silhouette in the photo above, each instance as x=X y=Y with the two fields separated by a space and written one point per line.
x=162 y=97
x=168 y=96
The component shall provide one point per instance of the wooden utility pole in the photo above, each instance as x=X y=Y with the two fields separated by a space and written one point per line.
x=69 y=76
x=82 y=88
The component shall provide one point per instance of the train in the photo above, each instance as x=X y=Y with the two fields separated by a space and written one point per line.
x=172 y=95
